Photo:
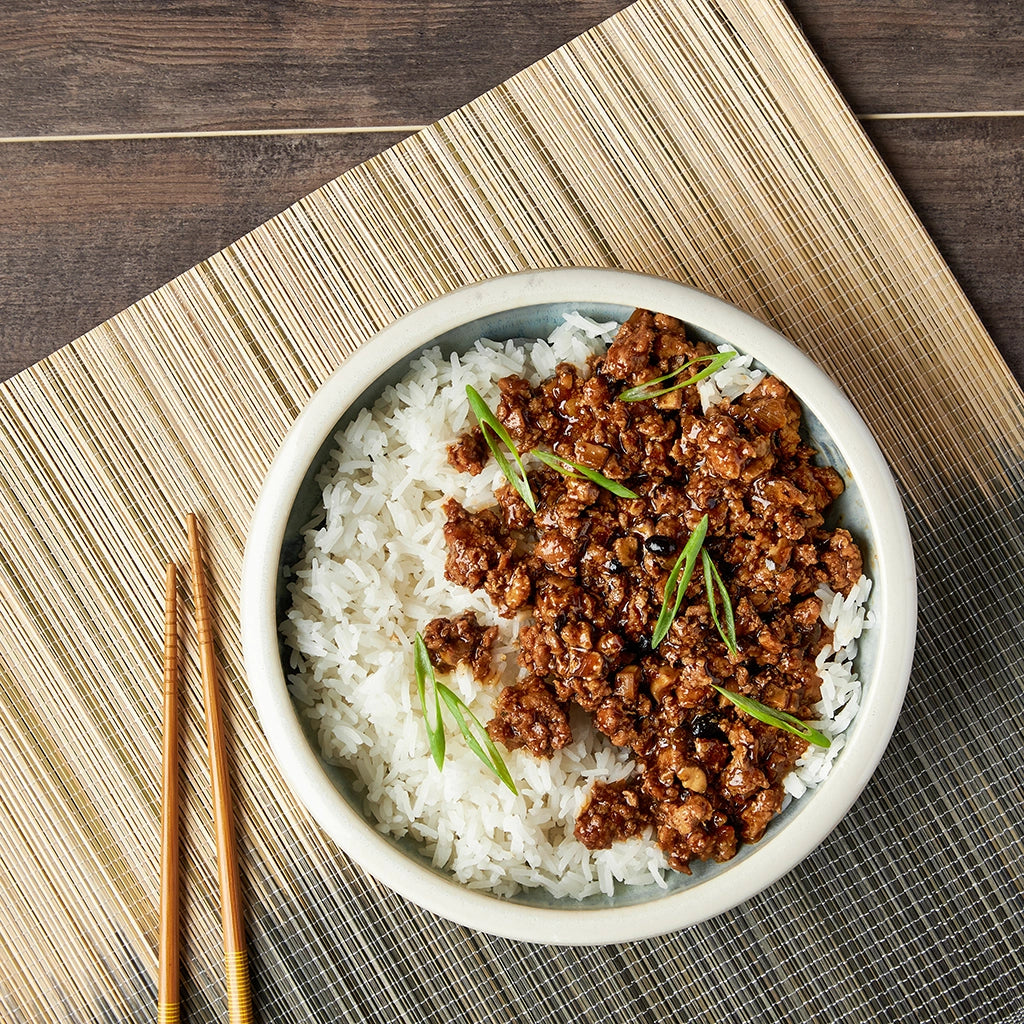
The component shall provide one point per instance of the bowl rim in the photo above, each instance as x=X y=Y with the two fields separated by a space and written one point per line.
x=894 y=582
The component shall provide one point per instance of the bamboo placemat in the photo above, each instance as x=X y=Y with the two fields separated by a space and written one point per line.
x=696 y=139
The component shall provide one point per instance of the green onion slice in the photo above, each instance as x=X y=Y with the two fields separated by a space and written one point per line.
x=676 y=585
x=569 y=468
x=425 y=672
x=712 y=583
x=771 y=716
x=471 y=727
x=493 y=431
x=643 y=391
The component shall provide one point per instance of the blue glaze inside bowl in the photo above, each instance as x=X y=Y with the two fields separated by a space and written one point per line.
x=528 y=323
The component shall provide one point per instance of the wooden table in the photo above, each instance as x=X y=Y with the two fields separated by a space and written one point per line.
x=140 y=137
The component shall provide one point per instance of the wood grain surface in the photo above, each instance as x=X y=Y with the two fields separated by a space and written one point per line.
x=123 y=186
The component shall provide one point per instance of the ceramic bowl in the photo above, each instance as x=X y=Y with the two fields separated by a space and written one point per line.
x=529 y=305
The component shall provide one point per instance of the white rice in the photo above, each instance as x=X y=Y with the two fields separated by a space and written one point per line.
x=372 y=574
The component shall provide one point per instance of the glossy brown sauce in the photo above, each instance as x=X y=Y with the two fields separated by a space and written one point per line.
x=588 y=570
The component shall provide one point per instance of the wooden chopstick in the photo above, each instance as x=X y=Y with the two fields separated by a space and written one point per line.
x=236 y=959
x=167 y=985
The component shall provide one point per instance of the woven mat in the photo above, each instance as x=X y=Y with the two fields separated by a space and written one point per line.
x=696 y=139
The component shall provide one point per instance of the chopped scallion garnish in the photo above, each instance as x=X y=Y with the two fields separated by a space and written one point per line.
x=712 y=583
x=644 y=391
x=569 y=468
x=469 y=725
x=425 y=674
x=772 y=716
x=493 y=432
x=676 y=585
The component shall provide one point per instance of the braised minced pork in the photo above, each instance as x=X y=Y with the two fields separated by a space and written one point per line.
x=589 y=570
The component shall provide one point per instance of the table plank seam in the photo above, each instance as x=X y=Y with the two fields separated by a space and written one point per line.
x=229 y=133
x=921 y=115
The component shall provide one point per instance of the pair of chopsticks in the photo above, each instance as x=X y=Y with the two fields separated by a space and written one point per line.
x=235 y=954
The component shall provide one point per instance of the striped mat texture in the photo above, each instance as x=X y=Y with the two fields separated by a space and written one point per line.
x=694 y=139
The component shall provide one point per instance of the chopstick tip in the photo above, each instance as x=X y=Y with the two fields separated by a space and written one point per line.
x=192 y=525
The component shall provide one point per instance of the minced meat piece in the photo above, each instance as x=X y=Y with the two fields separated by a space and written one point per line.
x=461 y=641
x=469 y=453
x=529 y=715
x=843 y=561
x=478 y=545
x=613 y=811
